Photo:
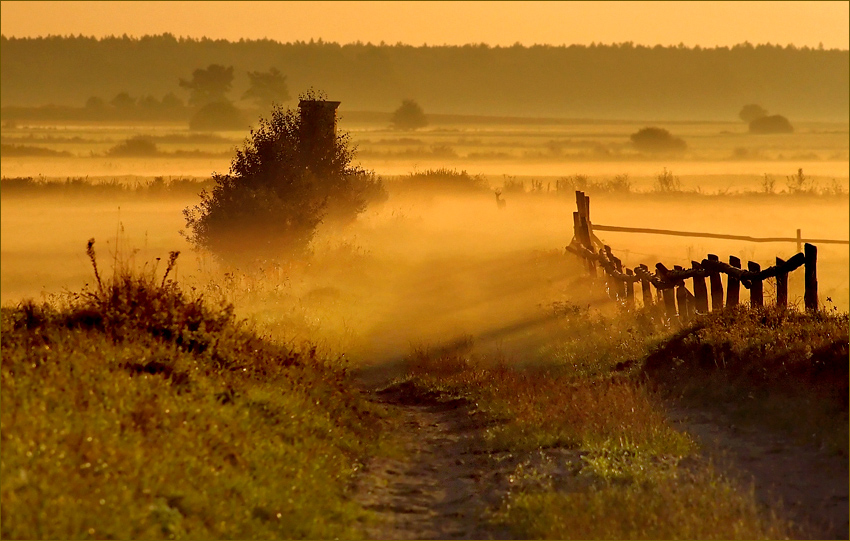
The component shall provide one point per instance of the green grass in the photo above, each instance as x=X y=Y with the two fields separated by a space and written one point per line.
x=132 y=410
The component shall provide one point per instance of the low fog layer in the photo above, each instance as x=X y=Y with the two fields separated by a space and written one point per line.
x=419 y=270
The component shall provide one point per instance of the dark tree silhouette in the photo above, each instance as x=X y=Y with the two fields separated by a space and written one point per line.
x=282 y=184
x=656 y=140
x=209 y=85
x=771 y=124
x=409 y=116
x=267 y=88
x=751 y=112
x=218 y=115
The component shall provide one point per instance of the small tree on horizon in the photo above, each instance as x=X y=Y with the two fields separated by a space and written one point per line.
x=751 y=112
x=657 y=140
x=267 y=88
x=409 y=116
x=209 y=85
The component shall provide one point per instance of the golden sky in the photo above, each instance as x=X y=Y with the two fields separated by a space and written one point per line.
x=703 y=23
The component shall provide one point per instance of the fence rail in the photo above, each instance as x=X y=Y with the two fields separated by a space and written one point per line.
x=670 y=284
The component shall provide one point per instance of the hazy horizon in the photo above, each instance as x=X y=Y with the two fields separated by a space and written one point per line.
x=703 y=24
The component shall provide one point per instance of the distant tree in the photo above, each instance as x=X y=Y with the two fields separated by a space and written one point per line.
x=771 y=124
x=409 y=116
x=171 y=101
x=654 y=140
x=123 y=101
x=267 y=88
x=209 y=85
x=220 y=115
x=751 y=112
x=95 y=103
x=280 y=187
x=149 y=103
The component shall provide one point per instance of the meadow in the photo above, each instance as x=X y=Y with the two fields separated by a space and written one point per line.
x=439 y=286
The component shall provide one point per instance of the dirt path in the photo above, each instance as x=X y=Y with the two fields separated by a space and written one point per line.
x=808 y=485
x=444 y=485
x=442 y=488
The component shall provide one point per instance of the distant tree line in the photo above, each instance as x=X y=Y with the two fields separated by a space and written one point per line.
x=599 y=81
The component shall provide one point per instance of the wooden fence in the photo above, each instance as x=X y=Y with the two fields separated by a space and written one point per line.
x=670 y=284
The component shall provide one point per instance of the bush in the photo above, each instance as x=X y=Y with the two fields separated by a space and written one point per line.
x=771 y=124
x=281 y=186
x=409 y=116
x=221 y=115
x=655 y=140
x=751 y=112
x=140 y=145
x=443 y=179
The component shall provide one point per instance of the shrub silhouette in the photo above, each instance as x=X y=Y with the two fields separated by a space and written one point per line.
x=656 y=140
x=280 y=187
x=139 y=145
x=409 y=116
x=220 y=115
x=771 y=124
x=751 y=112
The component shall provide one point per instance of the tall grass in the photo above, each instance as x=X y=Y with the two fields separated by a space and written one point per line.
x=135 y=410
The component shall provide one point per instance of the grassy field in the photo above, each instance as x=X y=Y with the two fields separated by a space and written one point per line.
x=225 y=408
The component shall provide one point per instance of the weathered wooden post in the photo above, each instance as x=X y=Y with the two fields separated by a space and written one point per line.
x=630 y=289
x=646 y=288
x=716 y=286
x=811 y=295
x=682 y=298
x=781 y=286
x=669 y=303
x=700 y=291
x=799 y=240
x=733 y=285
x=756 y=287
x=621 y=284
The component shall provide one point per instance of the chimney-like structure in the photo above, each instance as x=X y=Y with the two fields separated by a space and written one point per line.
x=318 y=126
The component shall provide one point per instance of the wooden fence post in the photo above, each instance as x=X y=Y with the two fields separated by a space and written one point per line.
x=811 y=294
x=781 y=286
x=799 y=240
x=621 y=284
x=682 y=299
x=630 y=289
x=716 y=286
x=757 y=287
x=646 y=288
x=733 y=285
x=669 y=303
x=700 y=291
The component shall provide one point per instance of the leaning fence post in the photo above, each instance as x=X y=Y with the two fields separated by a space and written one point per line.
x=646 y=288
x=757 y=288
x=716 y=286
x=811 y=294
x=682 y=298
x=669 y=303
x=700 y=291
x=733 y=285
x=781 y=286
x=630 y=289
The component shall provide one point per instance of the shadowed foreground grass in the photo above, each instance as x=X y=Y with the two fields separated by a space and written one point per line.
x=600 y=393
x=133 y=411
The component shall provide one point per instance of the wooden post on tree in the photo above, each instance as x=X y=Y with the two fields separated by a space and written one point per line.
x=811 y=295
x=781 y=286
x=757 y=288
x=700 y=291
x=630 y=289
x=716 y=287
x=733 y=285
